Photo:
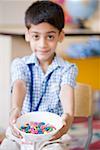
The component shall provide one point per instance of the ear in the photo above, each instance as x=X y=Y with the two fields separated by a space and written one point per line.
x=61 y=36
x=27 y=37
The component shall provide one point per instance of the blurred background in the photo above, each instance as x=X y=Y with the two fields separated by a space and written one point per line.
x=81 y=45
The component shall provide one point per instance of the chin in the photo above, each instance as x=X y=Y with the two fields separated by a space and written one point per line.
x=42 y=57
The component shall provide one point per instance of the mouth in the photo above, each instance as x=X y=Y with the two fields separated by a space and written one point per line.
x=43 y=51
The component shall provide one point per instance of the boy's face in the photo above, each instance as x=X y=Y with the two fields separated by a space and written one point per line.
x=43 y=40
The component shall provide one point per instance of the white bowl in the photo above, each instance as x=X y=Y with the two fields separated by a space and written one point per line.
x=38 y=116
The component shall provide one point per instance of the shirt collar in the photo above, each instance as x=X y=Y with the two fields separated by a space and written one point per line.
x=32 y=60
x=57 y=61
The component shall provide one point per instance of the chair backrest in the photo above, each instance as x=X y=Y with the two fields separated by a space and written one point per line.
x=83 y=100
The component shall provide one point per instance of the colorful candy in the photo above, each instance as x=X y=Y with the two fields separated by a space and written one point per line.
x=37 y=128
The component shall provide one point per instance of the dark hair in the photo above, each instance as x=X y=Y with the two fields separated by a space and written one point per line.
x=45 y=11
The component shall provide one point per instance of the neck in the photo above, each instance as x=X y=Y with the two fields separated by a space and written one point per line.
x=44 y=64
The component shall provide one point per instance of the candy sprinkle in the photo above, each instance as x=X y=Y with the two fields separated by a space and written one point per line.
x=37 y=128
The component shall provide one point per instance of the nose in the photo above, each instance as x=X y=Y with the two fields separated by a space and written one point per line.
x=43 y=42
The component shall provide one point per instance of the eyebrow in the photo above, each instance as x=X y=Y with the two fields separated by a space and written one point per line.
x=46 y=32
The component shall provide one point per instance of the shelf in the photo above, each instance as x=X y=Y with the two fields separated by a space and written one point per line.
x=82 y=33
x=12 y=29
x=20 y=30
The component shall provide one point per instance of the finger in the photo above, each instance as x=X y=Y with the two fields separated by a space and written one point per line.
x=61 y=132
x=55 y=137
x=16 y=133
x=12 y=120
x=13 y=117
x=58 y=134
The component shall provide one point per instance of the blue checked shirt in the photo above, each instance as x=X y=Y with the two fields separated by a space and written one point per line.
x=46 y=85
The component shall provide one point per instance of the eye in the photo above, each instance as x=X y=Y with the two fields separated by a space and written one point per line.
x=50 y=37
x=35 y=37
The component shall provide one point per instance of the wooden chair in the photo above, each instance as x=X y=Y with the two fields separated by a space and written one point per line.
x=83 y=107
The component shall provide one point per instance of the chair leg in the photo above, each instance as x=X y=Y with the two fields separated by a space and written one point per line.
x=90 y=133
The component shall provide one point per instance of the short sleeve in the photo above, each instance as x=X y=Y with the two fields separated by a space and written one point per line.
x=69 y=75
x=18 y=68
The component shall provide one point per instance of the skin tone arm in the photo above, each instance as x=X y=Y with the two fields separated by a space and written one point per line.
x=67 y=100
x=18 y=95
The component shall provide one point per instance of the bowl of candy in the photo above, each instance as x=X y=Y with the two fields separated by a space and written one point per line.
x=38 y=126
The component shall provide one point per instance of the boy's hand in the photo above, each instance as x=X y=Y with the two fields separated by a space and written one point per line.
x=64 y=129
x=14 y=114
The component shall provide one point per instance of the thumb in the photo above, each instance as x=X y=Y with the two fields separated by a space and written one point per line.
x=14 y=121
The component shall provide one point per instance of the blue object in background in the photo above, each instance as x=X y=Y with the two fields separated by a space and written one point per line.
x=81 y=9
x=83 y=50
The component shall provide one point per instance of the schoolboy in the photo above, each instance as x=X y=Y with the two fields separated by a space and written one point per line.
x=43 y=81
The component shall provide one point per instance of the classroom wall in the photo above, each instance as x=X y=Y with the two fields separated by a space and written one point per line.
x=5 y=57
